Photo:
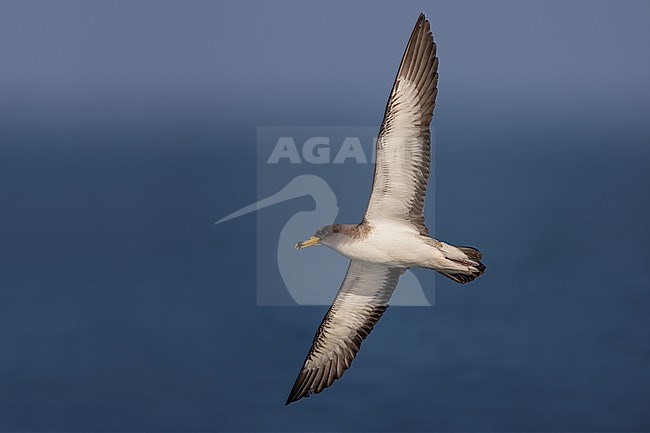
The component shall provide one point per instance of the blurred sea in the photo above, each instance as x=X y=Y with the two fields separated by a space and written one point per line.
x=123 y=306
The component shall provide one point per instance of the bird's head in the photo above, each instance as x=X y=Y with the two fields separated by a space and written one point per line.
x=328 y=235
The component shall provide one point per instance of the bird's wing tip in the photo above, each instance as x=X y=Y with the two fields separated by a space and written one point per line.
x=293 y=398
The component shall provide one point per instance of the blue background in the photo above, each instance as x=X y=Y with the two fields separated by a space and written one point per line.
x=128 y=128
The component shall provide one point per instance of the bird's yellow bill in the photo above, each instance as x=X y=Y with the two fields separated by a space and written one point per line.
x=307 y=243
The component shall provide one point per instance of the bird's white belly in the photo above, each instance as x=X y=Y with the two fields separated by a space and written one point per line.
x=392 y=246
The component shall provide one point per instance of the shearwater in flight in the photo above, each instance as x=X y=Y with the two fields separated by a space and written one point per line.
x=392 y=236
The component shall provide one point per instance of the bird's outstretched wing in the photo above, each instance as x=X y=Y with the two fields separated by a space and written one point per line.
x=403 y=154
x=360 y=302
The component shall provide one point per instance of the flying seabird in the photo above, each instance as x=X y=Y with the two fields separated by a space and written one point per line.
x=392 y=236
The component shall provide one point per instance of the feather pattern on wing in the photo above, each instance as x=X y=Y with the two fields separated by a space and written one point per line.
x=403 y=145
x=360 y=302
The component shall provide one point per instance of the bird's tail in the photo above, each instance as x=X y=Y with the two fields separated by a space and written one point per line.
x=467 y=266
